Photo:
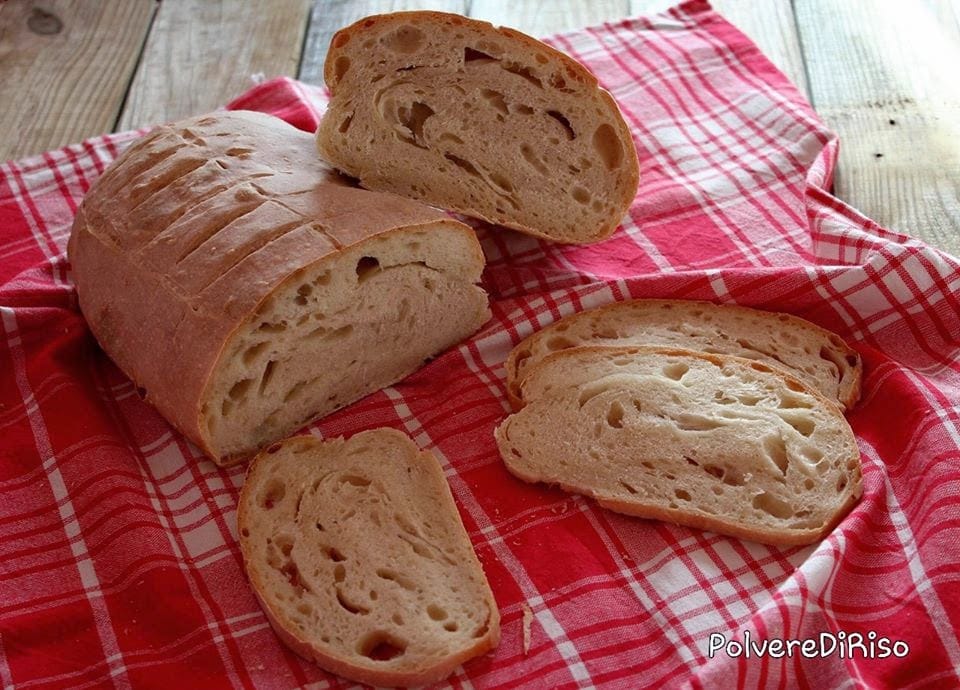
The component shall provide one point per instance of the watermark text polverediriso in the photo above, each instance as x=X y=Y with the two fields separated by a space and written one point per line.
x=841 y=644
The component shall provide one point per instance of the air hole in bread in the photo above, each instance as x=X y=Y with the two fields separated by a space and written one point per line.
x=841 y=484
x=496 y=100
x=691 y=461
x=239 y=151
x=272 y=494
x=285 y=543
x=452 y=626
x=558 y=82
x=804 y=425
x=501 y=182
x=267 y=375
x=466 y=165
x=688 y=421
x=523 y=109
x=405 y=39
x=354 y=480
x=437 y=613
x=808 y=484
x=344 y=125
x=615 y=415
x=350 y=606
x=472 y=55
x=559 y=342
x=394 y=576
x=522 y=71
x=795 y=402
x=771 y=505
x=267 y=327
x=628 y=487
x=225 y=407
x=675 y=370
x=580 y=195
x=682 y=494
x=322 y=279
x=341 y=39
x=292 y=574
x=795 y=386
x=749 y=399
x=833 y=358
x=607 y=146
x=340 y=67
x=381 y=646
x=339 y=572
x=563 y=122
x=776 y=450
x=367 y=266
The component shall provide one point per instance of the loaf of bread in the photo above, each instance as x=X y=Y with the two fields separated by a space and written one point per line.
x=812 y=354
x=360 y=561
x=246 y=289
x=708 y=441
x=481 y=120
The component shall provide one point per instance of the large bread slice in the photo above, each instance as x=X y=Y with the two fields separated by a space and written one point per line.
x=482 y=120
x=246 y=290
x=359 y=558
x=812 y=354
x=709 y=441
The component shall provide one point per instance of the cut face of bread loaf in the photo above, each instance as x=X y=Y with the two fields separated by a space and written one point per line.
x=246 y=289
x=481 y=120
x=793 y=345
x=359 y=558
x=709 y=441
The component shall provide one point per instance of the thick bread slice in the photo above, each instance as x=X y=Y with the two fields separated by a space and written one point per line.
x=482 y=120
x=357 y=553
x=709 y=441
x=247 y=290
x=802 y=349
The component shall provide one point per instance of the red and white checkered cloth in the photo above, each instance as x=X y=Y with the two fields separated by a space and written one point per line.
x=119 y=563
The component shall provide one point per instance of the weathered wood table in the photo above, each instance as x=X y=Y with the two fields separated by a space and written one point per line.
x=882 y=73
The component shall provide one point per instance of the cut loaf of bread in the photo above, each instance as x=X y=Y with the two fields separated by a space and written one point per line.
x=358 y=556
x=787 y=343
x=482 y=120
x=708 y=441
x=246 y=289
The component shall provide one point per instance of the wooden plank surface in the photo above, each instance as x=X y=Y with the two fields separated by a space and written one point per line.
x=64 y=69
x=329 y=16
x=544 y=18
x=770 y=24
x=884 y=76
x=203 y=53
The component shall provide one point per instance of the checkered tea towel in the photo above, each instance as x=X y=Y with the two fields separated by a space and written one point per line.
x=119 y=563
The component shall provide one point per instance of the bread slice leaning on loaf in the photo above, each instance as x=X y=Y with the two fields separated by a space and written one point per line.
x=477 y=119
x=357 y=553
x=708 y=441
x=785 y=342
x=247 y=289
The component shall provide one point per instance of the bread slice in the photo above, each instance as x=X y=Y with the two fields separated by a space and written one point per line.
x=358 y=556
x=788 y=343
x=708 y=441
x=477 y=119
x=247 y=289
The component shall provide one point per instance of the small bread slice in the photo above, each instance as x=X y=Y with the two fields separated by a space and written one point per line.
x=358 y=556
x=477 y=119
x=812 y=354
x=708 y=441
